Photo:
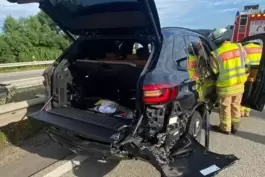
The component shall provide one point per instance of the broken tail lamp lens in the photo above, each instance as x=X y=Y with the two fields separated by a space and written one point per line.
x=159 y=93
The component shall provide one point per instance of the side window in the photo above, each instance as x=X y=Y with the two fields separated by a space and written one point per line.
x=199 y=53
x=180 y=54
x=195 y=43
x=208 y=49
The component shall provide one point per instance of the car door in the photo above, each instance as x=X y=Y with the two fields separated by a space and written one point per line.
x=254 y=95
x=180 y=56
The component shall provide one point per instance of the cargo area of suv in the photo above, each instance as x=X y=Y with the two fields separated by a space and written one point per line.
x=99 y=86
x=100 y=74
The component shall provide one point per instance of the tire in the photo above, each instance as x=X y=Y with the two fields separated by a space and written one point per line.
x=195 y=125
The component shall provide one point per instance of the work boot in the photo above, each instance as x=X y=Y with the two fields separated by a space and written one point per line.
x=234 y=131
x=235 y=128
x=216 y=128
x=246 y=114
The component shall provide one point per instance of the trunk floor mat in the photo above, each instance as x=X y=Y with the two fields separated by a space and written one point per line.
x=91 y=117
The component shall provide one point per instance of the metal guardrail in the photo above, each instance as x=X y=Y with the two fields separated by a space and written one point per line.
x=11 y=65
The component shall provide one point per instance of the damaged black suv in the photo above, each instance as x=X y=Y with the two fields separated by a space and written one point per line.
x=123 y=87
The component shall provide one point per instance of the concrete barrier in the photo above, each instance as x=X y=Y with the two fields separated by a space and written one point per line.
x=15 y=112
x=19 y=90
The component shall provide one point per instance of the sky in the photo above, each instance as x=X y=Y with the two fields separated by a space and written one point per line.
x=183 y=13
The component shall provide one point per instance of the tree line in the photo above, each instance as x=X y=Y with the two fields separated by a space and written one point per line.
x=32 y=38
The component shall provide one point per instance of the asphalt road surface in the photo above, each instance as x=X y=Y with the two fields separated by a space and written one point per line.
x=20 y=75
x=248 y=145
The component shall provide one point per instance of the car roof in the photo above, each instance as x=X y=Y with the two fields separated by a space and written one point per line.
x=178 y=30
x=168 y=32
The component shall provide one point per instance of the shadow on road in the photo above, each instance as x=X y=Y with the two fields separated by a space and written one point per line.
x=252 y=137
x=16 y=132
x=24 y=144
x=91 y=167
x=258 y=114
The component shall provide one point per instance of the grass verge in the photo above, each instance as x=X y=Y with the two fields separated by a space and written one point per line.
x=23 y=68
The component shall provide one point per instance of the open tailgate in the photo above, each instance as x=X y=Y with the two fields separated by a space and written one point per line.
x=91 y=125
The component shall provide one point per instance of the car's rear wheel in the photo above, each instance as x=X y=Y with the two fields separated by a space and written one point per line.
x=195 y=126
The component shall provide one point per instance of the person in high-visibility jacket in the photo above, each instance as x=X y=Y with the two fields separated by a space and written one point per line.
x=192 y=63
x=196 y=54
x=254 y=52
x=194 y=51
x=229 y=64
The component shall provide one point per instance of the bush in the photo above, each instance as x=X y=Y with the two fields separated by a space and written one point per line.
x=31 y=39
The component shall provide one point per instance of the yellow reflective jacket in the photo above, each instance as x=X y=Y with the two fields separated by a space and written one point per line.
x=254 y=52
x=191 y=67
x=203 y=87
x=229 y=63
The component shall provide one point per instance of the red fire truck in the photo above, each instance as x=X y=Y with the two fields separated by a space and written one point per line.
x=249 y=21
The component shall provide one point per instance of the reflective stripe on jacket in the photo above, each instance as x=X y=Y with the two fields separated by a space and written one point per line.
x=254 y=52
x=231 y=69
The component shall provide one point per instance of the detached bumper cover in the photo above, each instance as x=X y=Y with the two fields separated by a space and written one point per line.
x=200 y=163
x=194 y=163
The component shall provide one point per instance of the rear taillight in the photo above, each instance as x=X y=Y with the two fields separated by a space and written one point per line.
x=159 y=93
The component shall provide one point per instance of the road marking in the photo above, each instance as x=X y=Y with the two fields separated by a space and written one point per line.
x=77 y=160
